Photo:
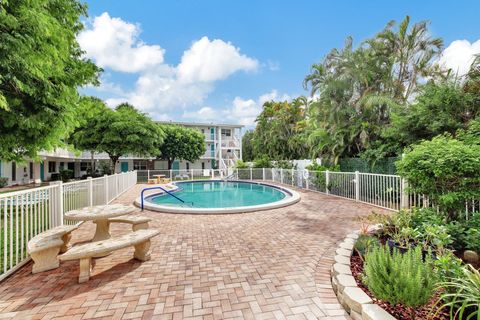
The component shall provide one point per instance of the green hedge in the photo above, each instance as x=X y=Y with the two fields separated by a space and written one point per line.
x=385 y=166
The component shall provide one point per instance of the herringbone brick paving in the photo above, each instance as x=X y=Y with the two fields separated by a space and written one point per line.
x=263 y=265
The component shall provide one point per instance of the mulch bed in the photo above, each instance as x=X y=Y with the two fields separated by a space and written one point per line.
x=398 y=311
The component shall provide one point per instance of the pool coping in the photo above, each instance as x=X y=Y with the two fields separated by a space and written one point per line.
x=293 y=198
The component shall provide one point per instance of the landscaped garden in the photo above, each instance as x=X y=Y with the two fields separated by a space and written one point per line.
x=385 y=124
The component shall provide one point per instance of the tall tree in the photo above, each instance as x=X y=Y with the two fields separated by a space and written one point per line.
x=181 y=143
x=85 y=137
x=41 y=68
x=357 y=88
x=279 y=130
x=247 y=146
x=123 y=131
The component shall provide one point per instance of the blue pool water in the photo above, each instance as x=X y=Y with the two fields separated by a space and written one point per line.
x=220 y=194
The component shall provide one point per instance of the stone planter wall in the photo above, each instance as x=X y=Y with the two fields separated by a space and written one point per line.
x=355 y=301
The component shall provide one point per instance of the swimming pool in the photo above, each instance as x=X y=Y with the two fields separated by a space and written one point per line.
x=218 y=196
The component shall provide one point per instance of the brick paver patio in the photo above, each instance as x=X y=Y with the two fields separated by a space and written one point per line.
x=263 y=265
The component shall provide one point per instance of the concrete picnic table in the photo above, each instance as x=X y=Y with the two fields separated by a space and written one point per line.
x=159 y=177
x=99 y=215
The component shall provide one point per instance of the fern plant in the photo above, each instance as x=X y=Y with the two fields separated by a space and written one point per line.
x=399 y=278
x=462 y=295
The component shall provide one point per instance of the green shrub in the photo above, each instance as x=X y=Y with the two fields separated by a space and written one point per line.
x=241 y=165
x=3 y=182
x=318 y=167
x=365 y=244
x=66 y=175
x=462 y=295
x=445 y=169
x=263 y=162
x=399 y=278
x=471 y=239
x=448 y=266
x=284 y=164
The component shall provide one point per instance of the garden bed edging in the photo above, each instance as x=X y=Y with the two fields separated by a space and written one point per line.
x=355 y=301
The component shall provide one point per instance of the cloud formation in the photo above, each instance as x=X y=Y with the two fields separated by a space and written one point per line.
x=242 y=111
x=115 y=45
x=459 y=55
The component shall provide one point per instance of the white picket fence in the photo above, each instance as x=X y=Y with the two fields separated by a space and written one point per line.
x=29 y=212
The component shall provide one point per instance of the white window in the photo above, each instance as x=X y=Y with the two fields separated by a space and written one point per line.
x=226 y=132
x=139 y=164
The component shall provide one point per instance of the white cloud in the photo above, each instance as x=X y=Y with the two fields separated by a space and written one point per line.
x=208 y=61
x=114 y=43
x=241 y=111
x=459 y=55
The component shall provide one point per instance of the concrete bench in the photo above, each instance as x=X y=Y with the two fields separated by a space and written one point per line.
x=137 y=222
x=140 y=239
x=45 y=247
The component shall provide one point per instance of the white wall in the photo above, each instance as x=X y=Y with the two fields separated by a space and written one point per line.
x=22 y=172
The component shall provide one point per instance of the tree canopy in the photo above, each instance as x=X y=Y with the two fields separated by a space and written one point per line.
x=181 y=143
x=371 y=100
x=41 y=68
x=119 y=132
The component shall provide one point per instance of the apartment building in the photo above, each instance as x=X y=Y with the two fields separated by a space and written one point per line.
x=222 y=141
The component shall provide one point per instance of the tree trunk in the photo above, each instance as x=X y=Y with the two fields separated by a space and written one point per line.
x=113 y=162
x=170 y=161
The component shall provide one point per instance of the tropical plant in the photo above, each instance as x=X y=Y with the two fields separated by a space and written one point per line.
x=248 y=153
x=241 y=165
x=462 y=295
x=446 y=170
x=180 y=143
x=364 y=244
x=263 y=162
x=399 y=278
x=278 y=131
x=41 y=68
x=448 y=266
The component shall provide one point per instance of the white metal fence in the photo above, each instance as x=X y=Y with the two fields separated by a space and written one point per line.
x=382 y=190
x=178 y=175
x=29 y=212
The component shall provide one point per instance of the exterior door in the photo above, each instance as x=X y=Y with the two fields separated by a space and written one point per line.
x=42 y=171
x=175 y=167
x=124 y=166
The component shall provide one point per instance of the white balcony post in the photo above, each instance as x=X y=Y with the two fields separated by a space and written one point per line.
x=90 y=191
x=327 y=181
x=357 y=186
x=251 y=174
x=263 y=174
x=105 y=179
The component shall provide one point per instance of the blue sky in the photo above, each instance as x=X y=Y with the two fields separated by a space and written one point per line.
x=220 y=60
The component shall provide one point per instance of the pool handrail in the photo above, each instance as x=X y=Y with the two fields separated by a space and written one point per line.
x=161 y=188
